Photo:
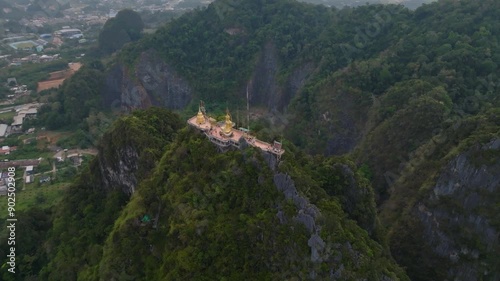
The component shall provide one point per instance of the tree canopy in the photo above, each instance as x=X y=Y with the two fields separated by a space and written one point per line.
x=125 y=27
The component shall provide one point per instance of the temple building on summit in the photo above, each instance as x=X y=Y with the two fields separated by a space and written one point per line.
x=224 y=135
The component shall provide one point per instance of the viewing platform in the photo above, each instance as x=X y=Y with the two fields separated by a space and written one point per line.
x=224 y=135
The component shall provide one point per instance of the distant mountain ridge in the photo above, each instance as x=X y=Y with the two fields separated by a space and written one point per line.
x=411 y=4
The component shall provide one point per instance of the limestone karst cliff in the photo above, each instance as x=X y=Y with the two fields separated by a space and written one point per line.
x=151 y=82
x=457 y=220
x=161 y=202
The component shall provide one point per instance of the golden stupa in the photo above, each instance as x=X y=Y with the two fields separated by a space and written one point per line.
x=200 y=118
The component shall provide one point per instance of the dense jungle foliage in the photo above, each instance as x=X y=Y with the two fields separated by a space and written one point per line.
x=199 y=214
x=386 y=98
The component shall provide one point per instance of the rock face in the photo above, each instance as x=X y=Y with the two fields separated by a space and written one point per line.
x=323 y=251
x=151 y=83
x=294 y=84
x=264 y=89
x=357 y=199
x=118 y=171
x=459 y=218
x=128 y=150
x=307 y=214
x=344 y=135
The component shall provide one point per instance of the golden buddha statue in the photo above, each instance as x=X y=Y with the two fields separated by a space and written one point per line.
x=227 y=129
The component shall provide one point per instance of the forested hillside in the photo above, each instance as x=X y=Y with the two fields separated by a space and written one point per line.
x=390 y=121
x=198 y=214
x=384 y=84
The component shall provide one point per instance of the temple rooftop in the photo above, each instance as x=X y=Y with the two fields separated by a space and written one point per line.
x=225 y=135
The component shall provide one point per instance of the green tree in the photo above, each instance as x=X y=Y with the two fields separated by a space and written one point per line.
x=125 y=27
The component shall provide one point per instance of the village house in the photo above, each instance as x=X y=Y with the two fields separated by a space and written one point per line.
x=6 y=150
x=3 y=130
x=25 y=113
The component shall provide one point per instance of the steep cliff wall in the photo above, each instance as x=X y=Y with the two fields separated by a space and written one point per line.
x=265 y=89
x=119 y=171
x=457 y=223
x=460 y=217
x=151 y=82
x=129 y=151
x=294 y=84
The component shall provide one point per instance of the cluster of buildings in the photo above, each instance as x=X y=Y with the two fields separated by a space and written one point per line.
x=22 y=114
x=38 y=42
x=67 y=33
x=224 y=135
x=15 y=89
x=29 y=178
x=33 y=58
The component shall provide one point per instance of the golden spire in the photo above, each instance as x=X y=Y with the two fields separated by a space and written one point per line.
x=228 y=125
x=200 y=118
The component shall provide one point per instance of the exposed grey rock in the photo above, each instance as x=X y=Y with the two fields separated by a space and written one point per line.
x=461 y=199
x=348 y=246
x=313 y=274
x=243 y=143
x=317 y=246
x=307 y=213
x=295 y=82
x=300 y=202
x=270 y=160
x=260 y=179
x=281 y=217
x=356 y=195
x=153 y=83
x=263 y=86
x=118 y=171
x=306 y=220
x=338 y=274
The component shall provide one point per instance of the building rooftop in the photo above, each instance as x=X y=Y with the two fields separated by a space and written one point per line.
x=3 y=129
x=69 y=30
x=18 y=120
x=28 y=111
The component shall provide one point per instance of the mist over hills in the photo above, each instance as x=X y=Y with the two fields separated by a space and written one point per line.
x=411 y=4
